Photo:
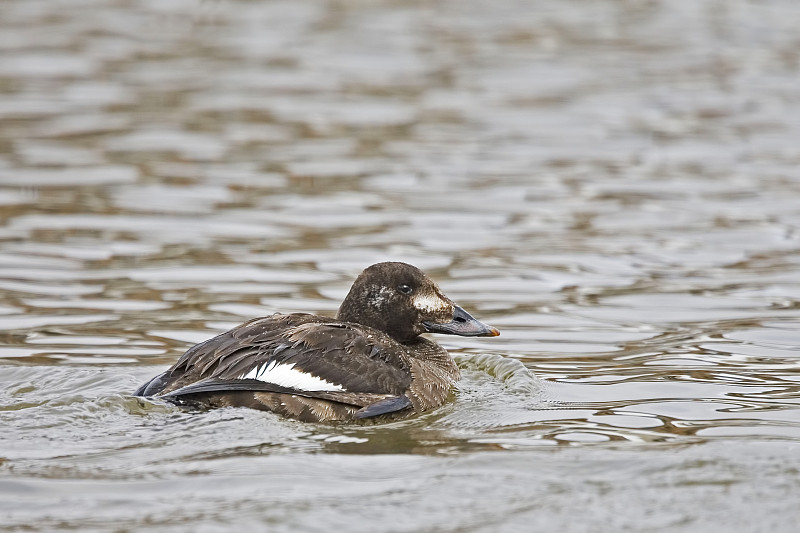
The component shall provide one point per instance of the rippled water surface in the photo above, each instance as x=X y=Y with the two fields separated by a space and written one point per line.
x=613 y=184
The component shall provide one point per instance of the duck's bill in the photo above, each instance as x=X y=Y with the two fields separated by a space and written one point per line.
x=462 y=324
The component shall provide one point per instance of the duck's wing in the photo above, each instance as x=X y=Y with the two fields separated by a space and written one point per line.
x=296 y=354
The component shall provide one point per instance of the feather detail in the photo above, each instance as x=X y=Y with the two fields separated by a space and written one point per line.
x=285 y=375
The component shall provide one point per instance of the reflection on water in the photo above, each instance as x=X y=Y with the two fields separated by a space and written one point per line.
x=613 y=184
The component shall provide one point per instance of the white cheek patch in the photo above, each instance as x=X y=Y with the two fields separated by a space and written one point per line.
x=429 y=302
x=379 y=298
x=286 y=376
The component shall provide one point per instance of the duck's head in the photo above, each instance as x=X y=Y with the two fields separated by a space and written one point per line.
x=399 y=299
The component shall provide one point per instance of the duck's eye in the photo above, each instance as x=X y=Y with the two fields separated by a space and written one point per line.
x=405 y=289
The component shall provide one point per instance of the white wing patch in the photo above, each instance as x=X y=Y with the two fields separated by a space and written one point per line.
x=429 y=302
x=286 y=376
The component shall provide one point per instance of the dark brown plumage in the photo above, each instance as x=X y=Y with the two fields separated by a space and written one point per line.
x=369 y=361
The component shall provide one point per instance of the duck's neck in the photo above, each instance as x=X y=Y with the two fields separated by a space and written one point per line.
x=436 y=371
x=427 y=350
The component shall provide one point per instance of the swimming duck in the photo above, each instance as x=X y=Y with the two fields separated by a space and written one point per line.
x=368 y=362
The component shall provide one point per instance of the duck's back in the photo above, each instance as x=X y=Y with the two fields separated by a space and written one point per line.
x=309 y=367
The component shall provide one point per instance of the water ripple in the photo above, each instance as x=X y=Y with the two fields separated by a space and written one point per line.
x=623 y=205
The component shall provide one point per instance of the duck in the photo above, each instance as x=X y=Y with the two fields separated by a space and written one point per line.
x=370 y=362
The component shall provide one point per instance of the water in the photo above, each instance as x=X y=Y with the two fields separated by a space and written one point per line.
x=613 y=184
